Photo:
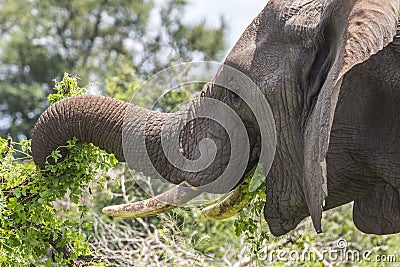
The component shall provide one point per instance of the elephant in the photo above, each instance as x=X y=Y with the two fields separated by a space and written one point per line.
x=328 y=69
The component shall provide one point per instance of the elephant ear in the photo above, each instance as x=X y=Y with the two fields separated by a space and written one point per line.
x=353 y=30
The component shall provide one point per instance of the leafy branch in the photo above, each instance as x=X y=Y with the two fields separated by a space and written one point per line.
x=32 y=230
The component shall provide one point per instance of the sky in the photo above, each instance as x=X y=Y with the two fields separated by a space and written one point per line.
x=238 y=14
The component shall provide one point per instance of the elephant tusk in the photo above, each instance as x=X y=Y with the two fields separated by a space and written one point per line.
x=229 y=206
x=166 y=201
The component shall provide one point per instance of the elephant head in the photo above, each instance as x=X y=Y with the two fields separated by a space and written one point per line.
x=298 y=53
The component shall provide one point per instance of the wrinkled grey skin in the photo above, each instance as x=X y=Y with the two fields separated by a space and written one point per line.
x=329 y=70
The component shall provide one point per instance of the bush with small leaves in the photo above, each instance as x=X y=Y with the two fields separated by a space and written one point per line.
x=32 y=230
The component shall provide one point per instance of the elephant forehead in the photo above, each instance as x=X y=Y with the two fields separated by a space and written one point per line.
x=301 y=13
x=299 y=21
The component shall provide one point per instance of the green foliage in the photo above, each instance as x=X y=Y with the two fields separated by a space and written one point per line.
x=29 y=222
x=249 y=221
x=124 y=85
x=67 y=87
x=200 y=38
x=206 y=237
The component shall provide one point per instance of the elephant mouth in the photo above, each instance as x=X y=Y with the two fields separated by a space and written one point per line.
x=226 y=207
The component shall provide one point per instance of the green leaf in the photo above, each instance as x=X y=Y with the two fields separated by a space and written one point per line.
x=17 y=193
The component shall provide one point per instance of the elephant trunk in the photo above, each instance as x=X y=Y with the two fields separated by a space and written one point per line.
x=160 y=145
x=137 y=136
x=89 y=118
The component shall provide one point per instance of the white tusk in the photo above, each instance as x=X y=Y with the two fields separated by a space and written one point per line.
x=229 y=206
x=168 y=200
